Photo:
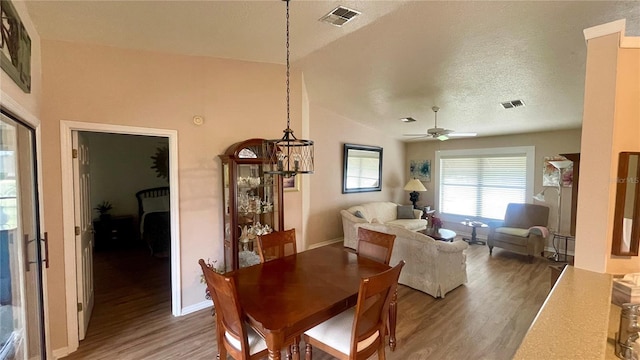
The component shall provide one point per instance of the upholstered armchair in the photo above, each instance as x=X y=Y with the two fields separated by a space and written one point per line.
x=523 y=230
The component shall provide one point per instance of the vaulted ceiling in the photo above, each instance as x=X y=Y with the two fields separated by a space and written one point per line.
x=397 y=59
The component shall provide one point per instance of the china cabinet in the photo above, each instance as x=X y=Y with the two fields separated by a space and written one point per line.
x=252 y=202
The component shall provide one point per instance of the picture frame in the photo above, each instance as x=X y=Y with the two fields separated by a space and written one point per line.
x=420 y=169
x=291 y=184
x=362 y=168
x=15 y=47
x=550 y=174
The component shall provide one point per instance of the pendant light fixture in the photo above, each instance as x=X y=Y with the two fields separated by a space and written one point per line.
x=290 y=156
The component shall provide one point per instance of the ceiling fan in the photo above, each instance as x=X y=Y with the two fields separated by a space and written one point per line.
x=440 y=133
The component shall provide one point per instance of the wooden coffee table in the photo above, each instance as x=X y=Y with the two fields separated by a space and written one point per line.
x=442 y=234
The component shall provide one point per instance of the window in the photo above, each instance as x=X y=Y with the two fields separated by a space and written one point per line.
x=480 y=183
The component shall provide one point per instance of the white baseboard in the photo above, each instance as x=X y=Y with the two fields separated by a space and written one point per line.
x=324 y=243
x=61 y=352
x=196 y=307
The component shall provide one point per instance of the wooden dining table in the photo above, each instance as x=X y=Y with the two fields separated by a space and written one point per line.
x=284 y=297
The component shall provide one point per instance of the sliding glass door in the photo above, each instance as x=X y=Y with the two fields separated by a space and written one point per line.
x=21 y=246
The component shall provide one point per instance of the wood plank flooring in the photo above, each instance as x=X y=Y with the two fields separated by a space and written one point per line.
x=484 y=319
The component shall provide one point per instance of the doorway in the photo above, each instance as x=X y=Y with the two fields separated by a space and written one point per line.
x=73 y=272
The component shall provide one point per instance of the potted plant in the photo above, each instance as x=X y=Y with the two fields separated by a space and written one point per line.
x=103 y=209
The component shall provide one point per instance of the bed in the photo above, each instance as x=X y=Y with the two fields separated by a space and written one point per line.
x=154 y=215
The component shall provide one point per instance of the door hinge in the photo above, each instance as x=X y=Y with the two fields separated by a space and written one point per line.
x=79 y=307
x=77 y=230
x=74 y=153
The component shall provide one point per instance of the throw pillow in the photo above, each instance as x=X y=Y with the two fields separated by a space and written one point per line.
x=358 y=213
x=405 y=212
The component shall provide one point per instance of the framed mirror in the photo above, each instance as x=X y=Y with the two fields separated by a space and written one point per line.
x=626 y=218
x=362 y=170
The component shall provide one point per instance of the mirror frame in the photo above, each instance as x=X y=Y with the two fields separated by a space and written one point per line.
x=624 y=182
x=345 y=170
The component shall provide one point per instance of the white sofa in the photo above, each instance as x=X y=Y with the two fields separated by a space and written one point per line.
x=381 y=212
x=432 y=266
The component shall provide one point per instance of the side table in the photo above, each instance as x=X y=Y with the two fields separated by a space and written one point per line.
x=474 y=236
x=556 y=255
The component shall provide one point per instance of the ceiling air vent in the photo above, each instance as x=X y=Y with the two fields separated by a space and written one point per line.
x=512 y=104
x=340 y=16
x=408 y=119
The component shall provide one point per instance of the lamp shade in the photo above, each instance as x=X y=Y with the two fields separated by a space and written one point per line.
x=414 y=185
x=561 y=164
x=539 y=196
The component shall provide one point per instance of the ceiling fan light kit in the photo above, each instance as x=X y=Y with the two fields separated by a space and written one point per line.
x=441 y=134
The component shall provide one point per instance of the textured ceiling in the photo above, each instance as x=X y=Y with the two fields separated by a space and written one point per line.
x=398 y=59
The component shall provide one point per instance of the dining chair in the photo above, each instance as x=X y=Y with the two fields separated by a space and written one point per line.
x=235 y=337
x=358 y=332
x=375 y=245
x=277 y=244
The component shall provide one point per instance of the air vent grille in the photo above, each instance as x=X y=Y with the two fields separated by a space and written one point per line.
x=408 y=119
x=340 y=16
x=512 y=104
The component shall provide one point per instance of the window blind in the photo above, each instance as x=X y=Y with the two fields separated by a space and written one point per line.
x=482 y=186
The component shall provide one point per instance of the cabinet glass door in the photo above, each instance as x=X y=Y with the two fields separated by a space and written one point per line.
x=252 y=202
x=21 y=312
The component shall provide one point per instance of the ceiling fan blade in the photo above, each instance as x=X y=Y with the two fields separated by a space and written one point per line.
x=416 y=135
x=462 y=134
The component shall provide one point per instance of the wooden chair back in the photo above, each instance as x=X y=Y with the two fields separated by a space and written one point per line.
x=375 y=245
x=372 y=310
x=229 y=316
x=277 y=244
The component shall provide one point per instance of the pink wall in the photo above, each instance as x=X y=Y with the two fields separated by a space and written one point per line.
x=237 y=99
x=626 y=133
x=611 y=113
x=330 y=131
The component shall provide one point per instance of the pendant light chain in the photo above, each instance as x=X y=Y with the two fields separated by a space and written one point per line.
x=288 y=155
x=288 y=66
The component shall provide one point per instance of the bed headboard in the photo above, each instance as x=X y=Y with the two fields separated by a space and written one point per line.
x=157 y=192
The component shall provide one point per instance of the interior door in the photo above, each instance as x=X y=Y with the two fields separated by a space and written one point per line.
x=84 y=231
x=21 y=296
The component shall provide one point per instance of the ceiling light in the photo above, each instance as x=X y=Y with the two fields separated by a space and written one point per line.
x=290 y=156
x=462 y=134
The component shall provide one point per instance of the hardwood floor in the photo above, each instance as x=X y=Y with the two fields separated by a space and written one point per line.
x=484 y=319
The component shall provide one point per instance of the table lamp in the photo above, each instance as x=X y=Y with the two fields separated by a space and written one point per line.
x=414 y=185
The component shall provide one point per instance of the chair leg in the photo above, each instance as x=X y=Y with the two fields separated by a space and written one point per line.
x=381 y=354
x=307 y=352
x=295 y=348
x=530 y=258
x=490 y=250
